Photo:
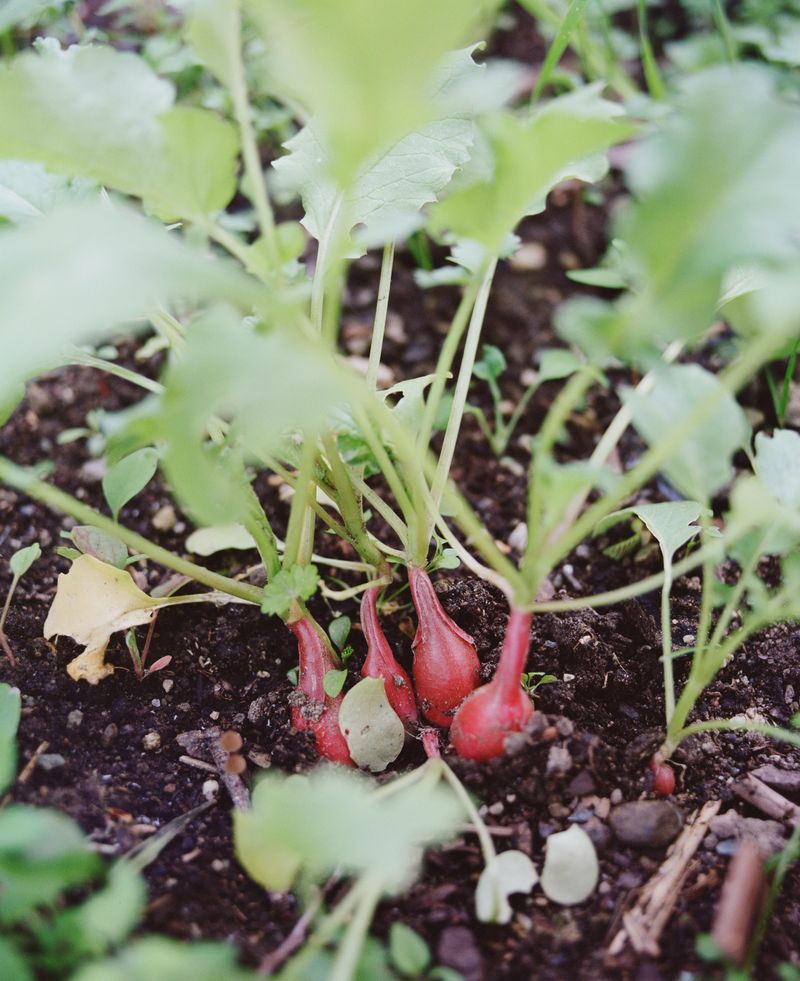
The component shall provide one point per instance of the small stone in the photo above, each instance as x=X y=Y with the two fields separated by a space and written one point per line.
x=219 y=864
x=168 y=684
x=559 y=761
x=646 y=823
x=496 y=808
x=582 y=784
x=710 y=842
x=74 y=719
x=615 y=796
x=51 y=761
x=213 y=715
x=457 y=950
x=564 y=727
x=152 y=741
x=165 y=518
x=598 y=832
x=518 y=539
x=110 y=733
x=257 y=710
x=529 y=257
x=211 y=789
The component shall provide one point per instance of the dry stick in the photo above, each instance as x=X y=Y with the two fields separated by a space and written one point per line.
x=205 y=742
x=644 y=924
x=743 y=894
x=27 y=770
x=275 y=958
x=767 y=800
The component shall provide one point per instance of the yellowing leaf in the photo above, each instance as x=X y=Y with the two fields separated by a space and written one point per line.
x=571 y=869
x=93 y=601
x=372 y=728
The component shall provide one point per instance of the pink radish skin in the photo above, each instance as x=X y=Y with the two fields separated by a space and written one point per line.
x=320 y=712
x=445 y=665
x=381 y=662
x=486 y=719
x=663 y=778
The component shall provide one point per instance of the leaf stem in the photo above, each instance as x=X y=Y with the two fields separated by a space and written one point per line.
x=381 y=310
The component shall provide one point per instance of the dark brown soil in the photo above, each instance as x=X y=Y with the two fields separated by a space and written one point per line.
x=229 y=669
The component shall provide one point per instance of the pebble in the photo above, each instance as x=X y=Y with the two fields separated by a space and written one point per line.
x=496 y=808
x=457 y=950
x=51 y=761
x=529 y=257
x=616 y=796
x=152 y=741
x=646 y=823
x=518 y=539
x=110 y=733
x=257 y=710
x=564 y=727
x=168 y=684
x=211 y=789
x=598 y=832
x=165 y=518
x=559 y=760
x=74 y=719
x=582 y=784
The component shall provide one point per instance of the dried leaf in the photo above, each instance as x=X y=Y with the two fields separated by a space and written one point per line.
x=509 y=872
x=571 y=868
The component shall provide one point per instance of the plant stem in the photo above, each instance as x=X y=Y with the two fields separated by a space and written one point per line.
x=57 y=499
x=291 y=479
x=349 y=505
x=484 y=838
x=516 y=644
x=87 y=360
x=324 y=263
x=381 y=310
x=169 y=328
x=390 y=516
x=666 y=643
x=444 y=363
x=714 y=725
x=346 y=960
x=234 y=245
x=305 y=490
x=462 y=388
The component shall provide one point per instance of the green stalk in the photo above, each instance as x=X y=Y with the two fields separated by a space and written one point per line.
x=715 y=725
x=234 y=245
x=84 y=359
x=484 y=838
x=444 y=363
x=171 y=330
x=57 y=499
x=305 y=490
x=291 y=479
x=325 y=248
x=655 y=85
x=374 y=500
x=666 y=644
x=724 y=27
x=558 y=45
x=381 y=310
x=462 y=388
x=387 y=467
x=349 y=506
x=250 y=155
x=345 y=964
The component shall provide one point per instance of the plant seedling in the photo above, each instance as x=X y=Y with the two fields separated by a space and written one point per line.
x=20 y=562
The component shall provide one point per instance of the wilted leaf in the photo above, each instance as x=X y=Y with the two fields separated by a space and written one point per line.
x=571 y=869
x=93 y=601
x=107 y=548
x=374 y=731
x=510 y=872
x=700 y=464
x=208 y=541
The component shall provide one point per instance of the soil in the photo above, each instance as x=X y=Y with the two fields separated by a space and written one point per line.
x=229 y=669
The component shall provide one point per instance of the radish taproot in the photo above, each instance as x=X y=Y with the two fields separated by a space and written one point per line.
x=315 y=710
x=381 y=662
x=495 y=711
x=446 y=665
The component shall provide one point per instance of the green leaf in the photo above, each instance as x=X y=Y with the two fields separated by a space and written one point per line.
x=118 y=267
x=492 y=363
x=109 y=915
x=671 y=523
x=408 y=951
x=168 y=960
x=777 y=463
x=12 y=963
x=298 y=583
x=333 y=682
x=101 y=114
x=209 y=541
x=213 y=33
x=701 y=462
x=10 y=708
x=128 y=477
x=366 y=71
x=508 y=873
x=571 y=869
x=389 y=190
x=556 y=363
x=530 y=156
x=374 y=731
x=339 y=630
x=23 y=559
x=289 y=827
x=42 y=853
x=105 y=547
x=16 y=11
x=27 y=191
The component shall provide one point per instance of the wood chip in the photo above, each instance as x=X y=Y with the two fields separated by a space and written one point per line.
x=767 y=800
x=645 y=922
x=743 y=894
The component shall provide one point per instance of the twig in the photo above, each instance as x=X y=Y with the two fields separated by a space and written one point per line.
x=644 y=924
x=767 y=800
x=743 y=894
x=27 y=770
x=275 y=958
x=205 y=742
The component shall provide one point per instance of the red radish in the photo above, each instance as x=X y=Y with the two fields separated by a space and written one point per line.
x=381 y=662
x=319 y=712
x=663 y=778
x=496 y=710
x=446 y=665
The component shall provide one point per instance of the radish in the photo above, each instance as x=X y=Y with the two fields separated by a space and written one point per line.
x=381 y=662
x=496 y=710
x=318 y=712
x=446 y=665
x=663 y=777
